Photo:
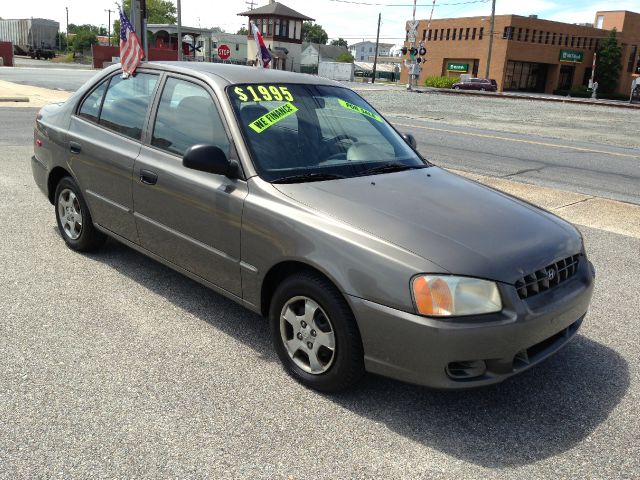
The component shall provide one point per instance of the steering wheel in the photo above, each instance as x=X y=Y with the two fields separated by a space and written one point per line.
x=339 y=138
x=326 y=148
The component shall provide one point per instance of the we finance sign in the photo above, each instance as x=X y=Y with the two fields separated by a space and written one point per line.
x=573 y=56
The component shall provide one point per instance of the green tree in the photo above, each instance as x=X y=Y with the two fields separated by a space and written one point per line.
x=83 y=39
x=73 y=28
x=158 y=11
x=243 y=31
x=341 y=42
x=345 y=57
x=314 y=33
x=608 y=64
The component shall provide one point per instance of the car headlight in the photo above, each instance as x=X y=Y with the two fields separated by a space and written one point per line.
x=448 y=295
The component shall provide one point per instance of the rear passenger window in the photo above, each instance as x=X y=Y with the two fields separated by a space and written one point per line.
x=126 y=103
x=90 y=108
x=187 y=116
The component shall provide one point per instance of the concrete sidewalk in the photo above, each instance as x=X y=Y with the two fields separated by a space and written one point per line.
x=16 y=95
x=540 y=97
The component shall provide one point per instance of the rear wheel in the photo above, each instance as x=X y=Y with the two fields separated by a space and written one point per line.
x=73 y=218
x=456 y=88
x=314 y=333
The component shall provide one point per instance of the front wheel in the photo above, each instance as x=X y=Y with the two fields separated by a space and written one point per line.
x=315 y=334
x=73 y=218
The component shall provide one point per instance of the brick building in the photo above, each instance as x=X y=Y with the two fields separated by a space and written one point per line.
x=529 y=54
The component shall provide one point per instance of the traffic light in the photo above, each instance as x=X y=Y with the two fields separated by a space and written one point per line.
x=423 y=51
x=404 y=50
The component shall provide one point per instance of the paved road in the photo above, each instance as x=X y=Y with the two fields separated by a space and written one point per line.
x=590 y=168
x=593 y=169
x=115 y=366
x=48 y=75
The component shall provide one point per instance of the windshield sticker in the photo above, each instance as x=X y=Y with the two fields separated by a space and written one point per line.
x=274 y=116
x=356 y=108
x=263 y=93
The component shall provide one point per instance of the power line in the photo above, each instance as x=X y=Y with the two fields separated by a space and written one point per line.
x=353 y=2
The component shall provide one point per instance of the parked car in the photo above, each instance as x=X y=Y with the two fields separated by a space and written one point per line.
x=294 y=197
x=482 y=84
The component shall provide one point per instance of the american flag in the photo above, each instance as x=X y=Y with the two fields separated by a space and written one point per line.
x=130 y=49
x=264 y=57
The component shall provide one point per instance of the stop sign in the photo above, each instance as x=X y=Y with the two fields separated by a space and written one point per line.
x=224 y=52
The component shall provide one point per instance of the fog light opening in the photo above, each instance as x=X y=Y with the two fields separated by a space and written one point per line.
x=466 y=370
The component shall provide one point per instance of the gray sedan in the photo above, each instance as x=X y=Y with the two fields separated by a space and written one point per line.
x=294 y=197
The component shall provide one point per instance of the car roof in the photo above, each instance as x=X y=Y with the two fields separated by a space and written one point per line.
x=225 y=74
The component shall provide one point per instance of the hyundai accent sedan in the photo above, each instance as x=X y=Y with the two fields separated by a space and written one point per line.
x=293 y=196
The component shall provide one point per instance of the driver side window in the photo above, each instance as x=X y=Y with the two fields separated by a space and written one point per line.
x=187 y=116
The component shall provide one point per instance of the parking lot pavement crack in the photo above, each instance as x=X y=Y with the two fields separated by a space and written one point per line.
x=525 y=170
x=574 y=203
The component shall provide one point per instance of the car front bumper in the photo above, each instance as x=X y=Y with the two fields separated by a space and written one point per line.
x=468 y=352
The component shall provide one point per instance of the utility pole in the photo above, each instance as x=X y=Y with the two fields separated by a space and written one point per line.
x=67 y=9
x=375 y=58
x=109 y=24
x=493 y=20
x=179 y=31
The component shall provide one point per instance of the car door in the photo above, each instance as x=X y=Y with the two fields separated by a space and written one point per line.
x=188 y=217
x=104 y=140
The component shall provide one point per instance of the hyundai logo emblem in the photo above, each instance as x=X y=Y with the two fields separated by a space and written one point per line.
x=551 y=274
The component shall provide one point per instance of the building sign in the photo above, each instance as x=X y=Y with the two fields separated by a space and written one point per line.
x=572 y=56
x=457 y=67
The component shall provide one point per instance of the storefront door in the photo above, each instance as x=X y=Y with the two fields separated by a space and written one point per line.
x=566 y=77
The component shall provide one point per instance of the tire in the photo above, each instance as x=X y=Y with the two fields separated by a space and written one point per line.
x=456 y=88
x=482 y=89
x=74 y=220
x=312 y=316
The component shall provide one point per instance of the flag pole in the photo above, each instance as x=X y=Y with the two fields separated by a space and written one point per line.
x=179 y=8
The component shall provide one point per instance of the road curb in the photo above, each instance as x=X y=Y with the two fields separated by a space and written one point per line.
x=14 y=99
x=571 y=100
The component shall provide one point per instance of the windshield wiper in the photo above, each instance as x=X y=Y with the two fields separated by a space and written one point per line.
x=308 y=177
x=391 y=167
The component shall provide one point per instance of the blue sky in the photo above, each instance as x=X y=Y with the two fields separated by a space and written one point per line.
x=353 y=22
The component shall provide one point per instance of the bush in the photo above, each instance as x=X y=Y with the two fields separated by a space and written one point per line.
x=66 y=58
x=580 y=92
x=345 y=57
x=440 y=82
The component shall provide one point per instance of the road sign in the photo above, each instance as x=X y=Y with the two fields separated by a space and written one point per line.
x=224 y=52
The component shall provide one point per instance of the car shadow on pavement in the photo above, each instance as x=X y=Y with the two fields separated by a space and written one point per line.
x=190 y=296
x=535 y=415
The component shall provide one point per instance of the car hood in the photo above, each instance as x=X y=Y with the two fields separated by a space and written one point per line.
x=460 y=225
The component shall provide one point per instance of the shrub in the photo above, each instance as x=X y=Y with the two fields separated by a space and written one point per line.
x=441 y=82
x=580 y=92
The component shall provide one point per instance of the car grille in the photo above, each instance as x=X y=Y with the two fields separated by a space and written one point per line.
x=548 y=277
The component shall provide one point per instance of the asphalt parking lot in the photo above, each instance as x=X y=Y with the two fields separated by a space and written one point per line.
x=115 y=366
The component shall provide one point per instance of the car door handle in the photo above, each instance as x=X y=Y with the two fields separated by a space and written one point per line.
x=148 y=177
x=75 y=147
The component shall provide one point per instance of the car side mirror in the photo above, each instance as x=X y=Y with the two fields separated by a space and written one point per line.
x=410 y=139
x=210 y=159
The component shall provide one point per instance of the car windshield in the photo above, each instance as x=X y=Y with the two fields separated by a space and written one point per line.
x=299 y=133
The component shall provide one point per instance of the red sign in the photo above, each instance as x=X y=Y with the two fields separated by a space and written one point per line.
x=224 y=52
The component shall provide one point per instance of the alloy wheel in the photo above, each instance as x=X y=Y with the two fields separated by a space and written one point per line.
x=307 y=334
x=70 y=214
